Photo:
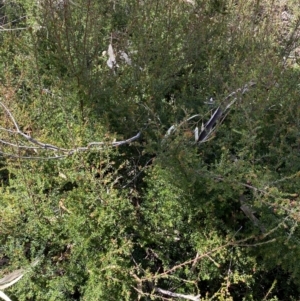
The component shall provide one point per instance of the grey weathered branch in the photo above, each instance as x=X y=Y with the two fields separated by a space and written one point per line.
x=219 y=113
x=25 y=142
x=12 y=278
x=176 y=295
x=222 y=110
x=209 y=125
x=248 y=211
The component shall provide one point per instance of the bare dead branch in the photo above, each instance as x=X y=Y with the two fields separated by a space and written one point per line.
x=218 y=115
x=10 y=116
x=30 y=144
x=13 y=277
x=4 y=297
x=12 y=29
x=222 y=110
x=176 y=295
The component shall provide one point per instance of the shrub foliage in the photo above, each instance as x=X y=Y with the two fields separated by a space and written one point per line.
x=165 y=216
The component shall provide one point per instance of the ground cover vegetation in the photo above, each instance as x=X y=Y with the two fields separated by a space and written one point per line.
x=202 y=203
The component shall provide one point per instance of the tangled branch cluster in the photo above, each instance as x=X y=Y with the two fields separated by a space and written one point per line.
x=24 y=142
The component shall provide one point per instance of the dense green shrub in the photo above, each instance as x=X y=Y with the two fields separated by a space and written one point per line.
x=163 y=212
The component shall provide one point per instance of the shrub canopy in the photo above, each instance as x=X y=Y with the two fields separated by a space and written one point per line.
x=160 y=216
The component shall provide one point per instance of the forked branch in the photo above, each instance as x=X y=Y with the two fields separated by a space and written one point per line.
x=217 y=116
x=25 y=142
